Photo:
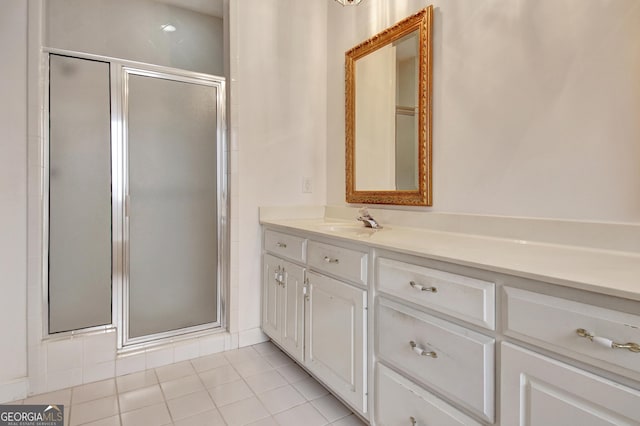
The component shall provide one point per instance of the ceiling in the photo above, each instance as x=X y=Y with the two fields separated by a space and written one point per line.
x=208 y=7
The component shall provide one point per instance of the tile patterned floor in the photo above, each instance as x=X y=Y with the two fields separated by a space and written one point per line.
x=256 y=385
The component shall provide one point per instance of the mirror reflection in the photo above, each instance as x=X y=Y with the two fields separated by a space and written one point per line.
x=386 y=111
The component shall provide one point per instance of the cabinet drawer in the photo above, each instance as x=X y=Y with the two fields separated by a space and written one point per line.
x=339 y=261
x=537 y=390
x=552 y=322
x=462 y=367
x=462 y=297
x=285 y=245
x=401 y=402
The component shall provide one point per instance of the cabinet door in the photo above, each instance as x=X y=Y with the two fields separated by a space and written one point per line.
x=292 y=307
x=539 y=391
x=271 y=297
x=335 y=337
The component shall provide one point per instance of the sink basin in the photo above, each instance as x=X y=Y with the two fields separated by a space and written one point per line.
x=352 y=229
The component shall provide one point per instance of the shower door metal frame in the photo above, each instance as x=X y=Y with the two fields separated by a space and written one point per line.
x=185 y=77
x=45 y=197
x=119 y=69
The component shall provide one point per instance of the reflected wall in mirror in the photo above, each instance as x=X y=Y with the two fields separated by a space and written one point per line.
x=388 y=115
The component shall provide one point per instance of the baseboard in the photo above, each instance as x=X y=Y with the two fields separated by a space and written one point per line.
x=251 y=337
x=14 y=390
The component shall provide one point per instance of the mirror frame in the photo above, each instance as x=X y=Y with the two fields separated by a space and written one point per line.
x=421 y=21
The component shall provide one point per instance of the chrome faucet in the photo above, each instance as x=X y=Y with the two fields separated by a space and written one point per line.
x=366 y=218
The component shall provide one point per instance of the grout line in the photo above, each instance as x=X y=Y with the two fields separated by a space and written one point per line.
x=207 y=389
x=115 y=379
x=164 y=397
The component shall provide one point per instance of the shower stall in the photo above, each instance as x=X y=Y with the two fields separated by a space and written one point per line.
x=135 y=197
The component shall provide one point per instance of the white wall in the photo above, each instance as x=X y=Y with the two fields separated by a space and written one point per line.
x=536 y=104
x=278 y=126
x=132 y=30
x=13 y=199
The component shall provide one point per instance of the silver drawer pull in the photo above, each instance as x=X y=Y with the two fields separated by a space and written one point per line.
x=421 y=351
x=331 y=260
x=282 y=245
x=422 y=288
x=413 y=421
x=607 y=343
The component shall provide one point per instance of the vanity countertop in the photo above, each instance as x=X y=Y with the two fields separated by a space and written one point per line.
x=615 y=273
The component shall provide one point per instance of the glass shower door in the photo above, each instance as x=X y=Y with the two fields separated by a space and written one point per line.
x=173 y=153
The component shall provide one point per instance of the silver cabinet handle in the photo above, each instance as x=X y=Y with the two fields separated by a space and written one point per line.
x=331 y=260
x=603 y=341
x=421 y=351
x=279 y=244
x=413 y=421
x=422 y=288
x=279 y=276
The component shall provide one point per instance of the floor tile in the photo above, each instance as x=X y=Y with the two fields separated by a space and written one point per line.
x=351 y=420
x=61 y=397
x=91 y=391
x=267 y=421
x=175 y=371
x=109 y=421
x=138 y=380
x=184 y=386
x=266 y=348
x=281 y=399
x=253 y=367
x=153 y=415
x=242 y=355
x=140 y=398
x=278 y=359
x=219 y=376
x=230 y=392
x=265 y=381
x=190 y=405
x=293 y=373
x=93 y=410
x=304 y=414
x=240 y=387
x=209 y=362
x=207 y=418
x=310 y=389
x=330 y=408
x=244 y=412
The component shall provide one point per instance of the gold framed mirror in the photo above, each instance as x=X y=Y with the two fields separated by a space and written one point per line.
x=388 y=115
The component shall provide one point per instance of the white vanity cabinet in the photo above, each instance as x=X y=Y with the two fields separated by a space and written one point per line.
x=538 y=390
x=335 y=337
x=283 y=291
x=314 y=306
x=336 y=320
x=434 y=353
x=283 y=304
x=407 y=339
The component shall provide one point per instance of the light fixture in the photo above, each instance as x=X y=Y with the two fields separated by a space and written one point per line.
x=349 y=2
x=168 y=28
